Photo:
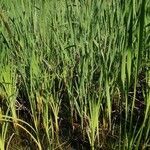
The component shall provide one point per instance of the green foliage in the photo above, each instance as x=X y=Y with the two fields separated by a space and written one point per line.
x=82 y=61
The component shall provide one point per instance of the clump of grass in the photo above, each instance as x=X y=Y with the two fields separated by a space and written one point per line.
x=81 y=66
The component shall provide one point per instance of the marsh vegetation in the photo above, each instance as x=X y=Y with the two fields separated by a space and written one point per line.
x=75 y=74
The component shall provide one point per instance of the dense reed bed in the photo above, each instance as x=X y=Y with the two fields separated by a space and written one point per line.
x=75 y=74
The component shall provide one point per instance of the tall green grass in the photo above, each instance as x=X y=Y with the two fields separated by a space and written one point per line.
x=81 y=66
